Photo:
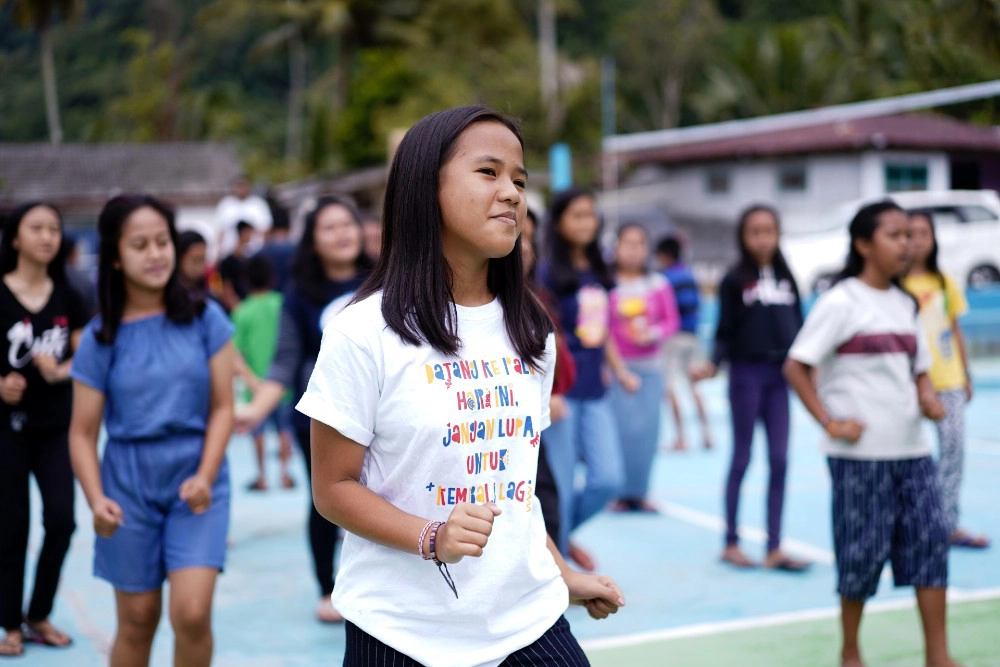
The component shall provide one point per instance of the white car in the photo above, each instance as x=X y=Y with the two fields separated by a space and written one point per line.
x=967 y=224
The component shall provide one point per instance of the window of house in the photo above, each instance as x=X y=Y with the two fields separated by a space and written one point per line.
x=717 y=181
x=903 y=177
x=792 y=178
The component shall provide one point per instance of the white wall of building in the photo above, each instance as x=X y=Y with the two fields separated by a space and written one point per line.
x=830 y=180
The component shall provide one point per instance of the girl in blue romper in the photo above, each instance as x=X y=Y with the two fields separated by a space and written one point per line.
x=157 y=367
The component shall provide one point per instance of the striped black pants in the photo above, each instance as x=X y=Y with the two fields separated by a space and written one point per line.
x=556 y=648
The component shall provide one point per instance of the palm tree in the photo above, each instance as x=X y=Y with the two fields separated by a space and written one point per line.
x=40 y=15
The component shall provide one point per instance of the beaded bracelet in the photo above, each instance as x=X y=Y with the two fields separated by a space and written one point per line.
x=420 y=542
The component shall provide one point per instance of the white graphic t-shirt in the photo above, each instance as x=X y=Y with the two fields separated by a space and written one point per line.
x=442 y=431
x=868 y=348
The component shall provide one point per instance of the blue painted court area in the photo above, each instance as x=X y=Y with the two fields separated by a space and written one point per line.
x=667 y=565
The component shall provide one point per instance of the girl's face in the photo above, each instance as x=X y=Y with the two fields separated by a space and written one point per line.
x=579 y=223
x=481 y=193
x=632 y=252
x=888 y=251
x=760 y=237
x=145 y=251
x=337 y=236
x=921 y=239
x=192 y=265
x=528 y=245
x=39 y=235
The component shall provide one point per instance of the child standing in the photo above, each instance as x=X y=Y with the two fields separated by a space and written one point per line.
x=643 y=316
x=426 y=401
x=42 y=319
x=157 y=368
x=330 y=265
x=864 y=338
x=941 y=305
x=256 y=337
x=759 y=315
x=681 y=349
x=578 y=278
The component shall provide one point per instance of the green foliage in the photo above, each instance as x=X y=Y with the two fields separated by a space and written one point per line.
x=224 y=70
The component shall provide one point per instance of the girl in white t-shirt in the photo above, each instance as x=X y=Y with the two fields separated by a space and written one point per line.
x=869 y=393
x=427 y=401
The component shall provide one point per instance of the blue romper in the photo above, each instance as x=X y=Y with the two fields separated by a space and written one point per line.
x=156 y=385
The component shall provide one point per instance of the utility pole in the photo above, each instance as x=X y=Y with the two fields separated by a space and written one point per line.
x=547 y=60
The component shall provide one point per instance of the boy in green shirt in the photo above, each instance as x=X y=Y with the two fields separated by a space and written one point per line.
x=256 y=338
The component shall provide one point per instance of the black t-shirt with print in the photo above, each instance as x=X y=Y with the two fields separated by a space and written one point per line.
x=24 y=334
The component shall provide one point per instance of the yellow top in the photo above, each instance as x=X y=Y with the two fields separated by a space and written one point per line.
x=939 y=310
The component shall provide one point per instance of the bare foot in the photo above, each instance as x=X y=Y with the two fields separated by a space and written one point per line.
x=707 y=444
x=962 y=538
x=43 y=632
x=287 y=482
x=852 y=662
x=947 y=662
x=581 y=557
x=735 y=556
x=679 y=446
x=326 y=612
x=13 y=644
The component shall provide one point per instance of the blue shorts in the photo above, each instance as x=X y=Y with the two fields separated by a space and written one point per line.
x=280 y=420
x=160 y=533
x=887 y=510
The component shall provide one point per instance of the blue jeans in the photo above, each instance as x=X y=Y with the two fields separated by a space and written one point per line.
x=588 y=434
x=638 y=418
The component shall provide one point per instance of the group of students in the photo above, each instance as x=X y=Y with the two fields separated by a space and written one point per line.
x=444 y=388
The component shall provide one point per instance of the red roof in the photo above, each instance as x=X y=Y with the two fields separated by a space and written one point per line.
x=901 y=131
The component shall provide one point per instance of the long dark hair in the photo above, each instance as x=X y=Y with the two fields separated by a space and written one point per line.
x=862 y=228
x=8 y=255
x=308 y=274
x=746 y=266
x=412 y=272
x=179 y=305
x=563 y=275
x=932 y=259
x=628 y=226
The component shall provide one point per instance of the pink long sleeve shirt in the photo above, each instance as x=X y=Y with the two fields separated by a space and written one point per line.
x=643 y=316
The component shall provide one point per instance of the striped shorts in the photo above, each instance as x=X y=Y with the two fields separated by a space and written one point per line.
x=556 y=648
x=887 y=511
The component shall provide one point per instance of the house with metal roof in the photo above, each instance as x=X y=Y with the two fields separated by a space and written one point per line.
x=805 y=162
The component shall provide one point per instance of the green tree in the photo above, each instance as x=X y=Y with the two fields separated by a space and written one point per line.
x=661 y=46
x=40 y=15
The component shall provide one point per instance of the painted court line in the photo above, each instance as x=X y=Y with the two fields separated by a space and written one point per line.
x=982 y=446
x=771 y=620
x=755 y=535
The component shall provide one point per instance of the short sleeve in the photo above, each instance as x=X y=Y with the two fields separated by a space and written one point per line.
x=549 y=378
x=343 y=390
x=957 y=305
x=217 y=330
x=822 y=333
x=92 y=360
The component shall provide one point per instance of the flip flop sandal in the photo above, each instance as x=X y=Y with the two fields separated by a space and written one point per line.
x=36 y=637
x=790 y=565
x=8 y=645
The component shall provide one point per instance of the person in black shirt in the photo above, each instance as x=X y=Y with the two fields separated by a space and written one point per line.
x=233 y=269
x=41 y=321
x=759 y=315
x=329 y=267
